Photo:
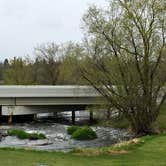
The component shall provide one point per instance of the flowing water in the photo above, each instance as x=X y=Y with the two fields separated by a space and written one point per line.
x=57 y=137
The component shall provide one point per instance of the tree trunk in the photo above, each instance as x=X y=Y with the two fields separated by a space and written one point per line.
x=142 y=126
x=141 y=119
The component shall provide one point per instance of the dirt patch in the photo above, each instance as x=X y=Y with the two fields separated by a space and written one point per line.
x=117 y=152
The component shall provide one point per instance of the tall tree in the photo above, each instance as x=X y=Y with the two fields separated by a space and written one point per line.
x=18 y=72
x=69 y=72
x=50 y=56
x=125 y=50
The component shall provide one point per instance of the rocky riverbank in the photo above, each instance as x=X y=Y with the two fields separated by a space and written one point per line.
x=57 y=137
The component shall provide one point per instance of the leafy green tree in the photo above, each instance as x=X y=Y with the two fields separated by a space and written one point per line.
x=18 y=72
x=49 y=57
x=125 y=57
x=69 y=71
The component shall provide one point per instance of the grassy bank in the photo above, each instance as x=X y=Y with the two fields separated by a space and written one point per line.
x=148 y=151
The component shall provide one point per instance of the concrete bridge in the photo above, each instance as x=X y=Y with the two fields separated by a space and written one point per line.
x=26 y=100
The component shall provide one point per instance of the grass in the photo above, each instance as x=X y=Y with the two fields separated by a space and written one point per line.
x=24 y=135
x=161 y=120
x=146 y=151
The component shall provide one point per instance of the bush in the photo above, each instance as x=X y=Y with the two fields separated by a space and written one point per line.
x=84 y=133
x=24 y=135
x=35 y=136
x=72 y=129
x=19 y=133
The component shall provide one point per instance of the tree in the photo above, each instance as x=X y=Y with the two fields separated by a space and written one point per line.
x=18 y=72
x=69 y=72
x=125 y=50
x=49 y=54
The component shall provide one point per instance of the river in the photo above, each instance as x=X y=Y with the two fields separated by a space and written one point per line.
x=57 y=137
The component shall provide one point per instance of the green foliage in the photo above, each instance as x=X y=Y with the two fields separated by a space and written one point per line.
x=84 y=133
x=18 y=72
x=160 y=124
x=24 y=135
x=53 y=64
x=47 y=63
x=72 y=129
x=120 y=123
x=19 y=133
x=120 y=65
x=35 y=136
x=69 y=71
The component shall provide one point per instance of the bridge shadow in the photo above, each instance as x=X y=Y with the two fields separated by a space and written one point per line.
x=65 y=118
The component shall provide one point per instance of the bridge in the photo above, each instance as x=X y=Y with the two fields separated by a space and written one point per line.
x=28 y=100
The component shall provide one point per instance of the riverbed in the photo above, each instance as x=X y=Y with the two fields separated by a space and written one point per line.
x=57 y=137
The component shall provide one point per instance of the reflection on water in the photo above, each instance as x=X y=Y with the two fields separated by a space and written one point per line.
x=57 y=137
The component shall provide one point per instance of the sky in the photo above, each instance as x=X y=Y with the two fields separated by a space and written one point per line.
x=24 y=24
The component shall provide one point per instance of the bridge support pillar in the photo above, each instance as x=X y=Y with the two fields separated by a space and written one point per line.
x=73 y=117
x=55 y=114
x=35 y=116
x=10 y=119
x=91 y=116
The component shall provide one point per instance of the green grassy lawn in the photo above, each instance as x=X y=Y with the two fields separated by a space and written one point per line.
x=150 y=150
x=161 y=120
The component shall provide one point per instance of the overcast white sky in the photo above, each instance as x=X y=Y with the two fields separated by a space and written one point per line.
x=26 y=23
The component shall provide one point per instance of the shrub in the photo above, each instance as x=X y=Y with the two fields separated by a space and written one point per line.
x=24 y=135
x=12 y=132
x=84 y=133
x=19 y=133
x=72 y=129
x=35 y=136
x=42 y=136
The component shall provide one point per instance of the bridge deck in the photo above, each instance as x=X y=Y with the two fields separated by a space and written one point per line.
x=47 y=91
x=21 y=100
